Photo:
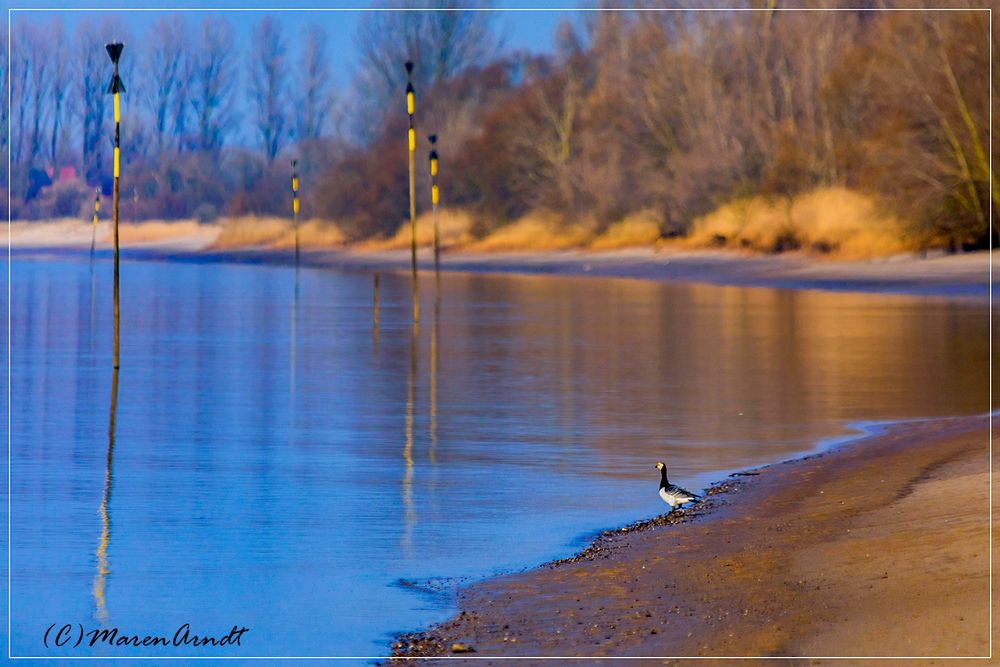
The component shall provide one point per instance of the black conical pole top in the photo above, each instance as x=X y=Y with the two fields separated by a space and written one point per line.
x=116 y=85
x=114 y=51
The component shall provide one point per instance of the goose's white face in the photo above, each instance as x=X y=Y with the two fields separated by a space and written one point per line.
x=660 y=465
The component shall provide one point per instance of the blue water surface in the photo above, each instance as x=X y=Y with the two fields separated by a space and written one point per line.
x=279 y=462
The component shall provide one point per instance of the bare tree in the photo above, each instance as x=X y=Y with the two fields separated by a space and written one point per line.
x=167 y=43
x=4 y=112
x=91 y=97
x=314 y=87
x=213 y=82
x=440 y=43
x=269 y=86
x=930 y=151
x=181 y=105
x=61 y=81
x=38 y=94
x=20 y=71
x=546 y=133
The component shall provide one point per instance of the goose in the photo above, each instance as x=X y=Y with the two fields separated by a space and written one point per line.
x=672 y=494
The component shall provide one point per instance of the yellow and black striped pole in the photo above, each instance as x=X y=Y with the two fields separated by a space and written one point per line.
x=93 y=227
x=295 y=206
x=411 y=143
x=435 y=198
x=116 y=87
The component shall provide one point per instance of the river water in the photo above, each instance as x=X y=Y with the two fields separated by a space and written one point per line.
x=279 y=463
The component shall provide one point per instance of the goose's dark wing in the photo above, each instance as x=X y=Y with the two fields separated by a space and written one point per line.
x=675 y=490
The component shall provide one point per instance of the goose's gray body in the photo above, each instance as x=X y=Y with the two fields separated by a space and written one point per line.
x=672 y=494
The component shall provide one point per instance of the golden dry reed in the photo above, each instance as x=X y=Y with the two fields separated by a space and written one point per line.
x=635 y=231
x=537 y=231
x=454 y=229
x=828 y=220
x=253 y=232
x=153 y=231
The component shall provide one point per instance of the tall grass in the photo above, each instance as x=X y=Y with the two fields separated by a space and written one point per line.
x=850 y=224
x=312 y=234
x=154 y=231
x=828 y=220
x=535 y=231
x=454 y=229
x=277 y=233
x=636 y=230
x=834 y=221
x=251 y=232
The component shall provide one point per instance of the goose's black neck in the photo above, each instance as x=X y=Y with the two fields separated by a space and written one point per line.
x=663 y=477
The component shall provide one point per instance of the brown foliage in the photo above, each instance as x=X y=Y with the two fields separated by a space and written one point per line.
x=672 y=114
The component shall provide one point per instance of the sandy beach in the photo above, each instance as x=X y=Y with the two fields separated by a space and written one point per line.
x=960 y=275
x=877 y=548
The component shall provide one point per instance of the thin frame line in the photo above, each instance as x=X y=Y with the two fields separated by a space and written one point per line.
x=506 y=9
x=10 y=87
x=494 y=657
x=989 y=361
x=10 y=12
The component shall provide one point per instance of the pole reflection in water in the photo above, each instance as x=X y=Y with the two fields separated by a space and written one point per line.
x=292 y=335
x=100 y=578
x=435 y=325
x=93 y=305
x=410 y=517
x=375 y=314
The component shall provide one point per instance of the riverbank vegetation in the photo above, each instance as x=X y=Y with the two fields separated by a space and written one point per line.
x=855 y=133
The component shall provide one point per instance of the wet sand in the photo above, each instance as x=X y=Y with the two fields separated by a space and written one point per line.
x=879 y=547
x=939 y=274
x=964 y=275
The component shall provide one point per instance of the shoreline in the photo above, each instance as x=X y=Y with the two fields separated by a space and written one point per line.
x=779 y=560
x=957 y=276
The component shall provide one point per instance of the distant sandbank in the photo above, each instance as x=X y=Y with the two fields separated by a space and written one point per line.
x=963 y=275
